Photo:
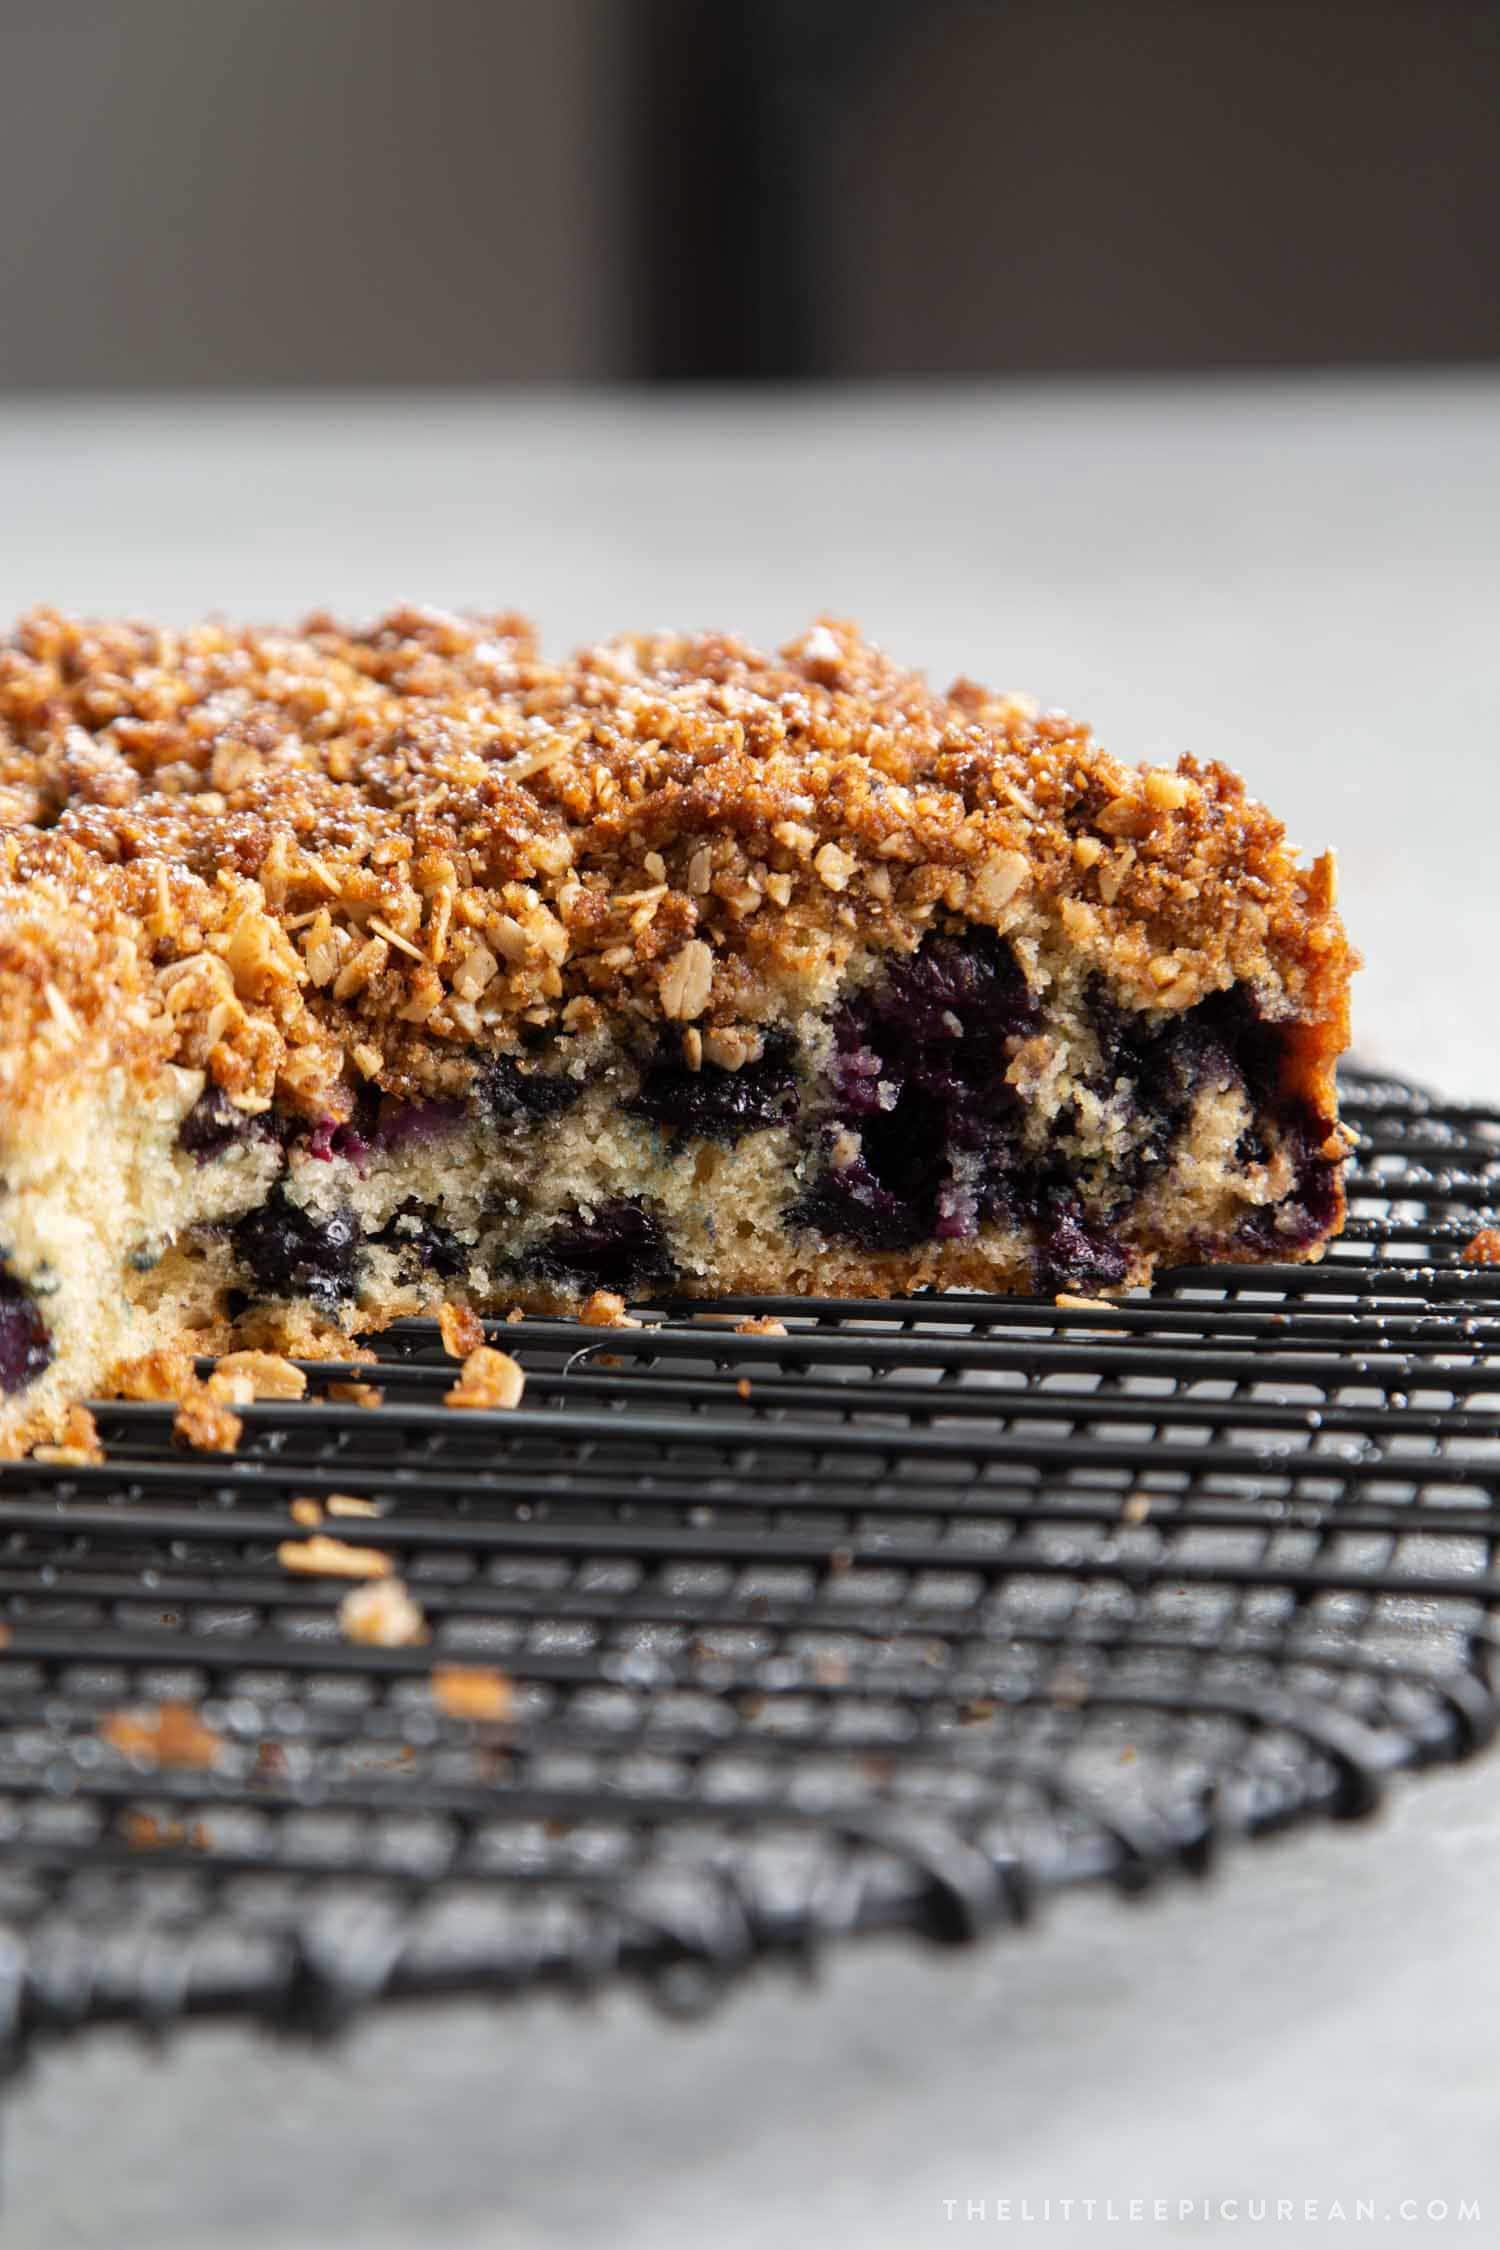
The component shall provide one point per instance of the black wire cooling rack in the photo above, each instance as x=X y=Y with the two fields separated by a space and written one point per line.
x=895 y=1620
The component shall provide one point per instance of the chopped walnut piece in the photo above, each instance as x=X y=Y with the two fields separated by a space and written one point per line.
x=461 y=1329
x=270 y=1375
x=605 y=1310
x=322 y=1557
x=307 y=1512
x=357 y=1394
x=206 y=1424
x=760 y=1324
x=472 y=1691
x=350 y=1504
x=1484 y=1249
x=488 y=1378
x=168 y=1734
x=382 y=1615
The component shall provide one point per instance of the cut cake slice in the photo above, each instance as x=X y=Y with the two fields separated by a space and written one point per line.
x=345 y=973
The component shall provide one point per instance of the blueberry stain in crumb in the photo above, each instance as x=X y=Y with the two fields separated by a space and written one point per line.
x=510 y=1095
x=426 y=1244
x=619 y=1245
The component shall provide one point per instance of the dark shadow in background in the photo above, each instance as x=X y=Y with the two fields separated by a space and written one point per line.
x=407 y=191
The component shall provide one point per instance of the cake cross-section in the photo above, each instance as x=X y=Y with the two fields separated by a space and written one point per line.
x=344 y=973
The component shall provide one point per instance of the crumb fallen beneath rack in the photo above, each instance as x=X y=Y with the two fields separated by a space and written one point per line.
x=206 y=1423
x=382 y=1615
x=462 y=1331
x=322 y=1557
x=472 y=1691
x=169 y=1734
x=357 y=1394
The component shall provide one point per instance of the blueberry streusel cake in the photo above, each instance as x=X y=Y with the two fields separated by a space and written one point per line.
x=342 y=973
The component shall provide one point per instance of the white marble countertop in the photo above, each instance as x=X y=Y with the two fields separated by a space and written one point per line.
x=1303 y=579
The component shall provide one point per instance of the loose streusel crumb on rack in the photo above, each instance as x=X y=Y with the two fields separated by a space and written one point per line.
x=269 y=1374
x=325 y=1557
x=169 y=1734
x=351 y=1504
x=1484 y=1248
x=382 y=1615
x=473 y=1691
x=357 y=1394
x=606 y=1309
x=207 y=1424
x=461 y=1329
x=487 y=1379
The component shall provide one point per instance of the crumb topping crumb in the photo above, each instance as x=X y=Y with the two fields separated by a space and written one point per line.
x=170 y=1734
x=472 y=1691
x=325 y=1557
x=206 y=1423
x=606 y=1309
x=461 y=1329
x=382 y=1615
x=487 y=1379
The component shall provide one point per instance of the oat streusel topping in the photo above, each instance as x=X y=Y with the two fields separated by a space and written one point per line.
x=302 y=861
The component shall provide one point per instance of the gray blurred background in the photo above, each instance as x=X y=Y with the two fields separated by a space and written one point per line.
x=253 y=192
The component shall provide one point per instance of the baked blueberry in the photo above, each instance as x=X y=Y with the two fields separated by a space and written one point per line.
x=618 y=1245
x=25 y=1345
x=290 y=1251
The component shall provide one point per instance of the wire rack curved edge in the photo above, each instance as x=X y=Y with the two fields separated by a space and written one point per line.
x=895 y=1620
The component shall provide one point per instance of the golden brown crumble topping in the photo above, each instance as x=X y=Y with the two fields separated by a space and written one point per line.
x=303 y=861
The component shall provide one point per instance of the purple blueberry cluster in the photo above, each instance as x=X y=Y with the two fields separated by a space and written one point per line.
x=919 y=1073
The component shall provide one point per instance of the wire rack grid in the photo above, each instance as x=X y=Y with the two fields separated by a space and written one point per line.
x=897 y=1618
